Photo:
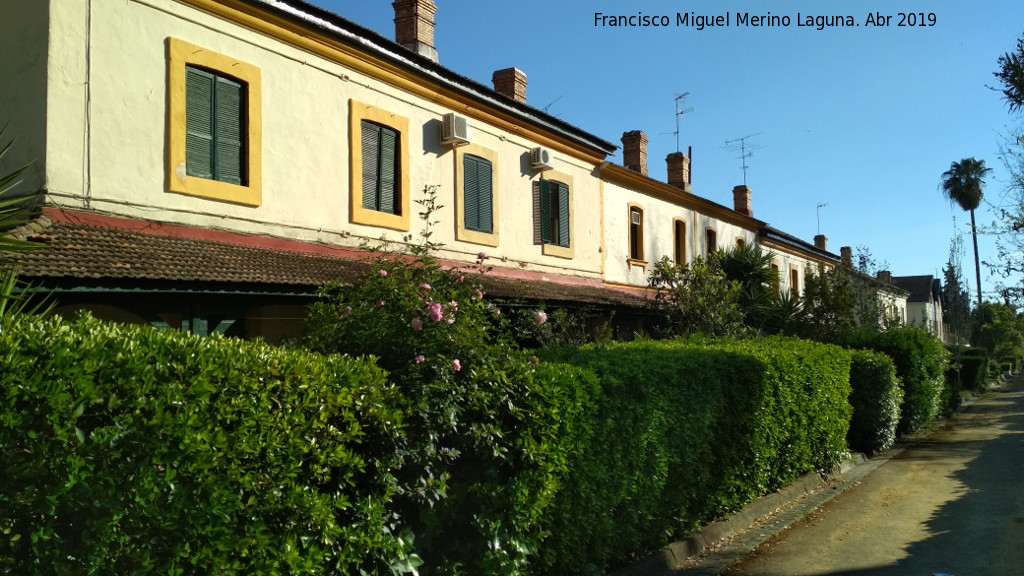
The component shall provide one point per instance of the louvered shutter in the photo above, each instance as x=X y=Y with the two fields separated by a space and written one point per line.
x=563 y=215
x=371 y=164
x=486 y=180
x=198 y=123
x=478 y=194
x=471 y=192
x=536 y=213
x=388 y=171
x=228 y=112
x=545 y=211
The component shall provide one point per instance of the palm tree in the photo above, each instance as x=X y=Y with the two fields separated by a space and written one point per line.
x=962 y=184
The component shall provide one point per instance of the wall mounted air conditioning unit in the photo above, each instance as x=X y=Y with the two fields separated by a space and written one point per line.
x=454 y=129
x=541 y=159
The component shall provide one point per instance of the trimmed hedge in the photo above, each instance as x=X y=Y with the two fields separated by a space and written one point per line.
x=876 y=395
x=129 y=450
x=686 y=431
x=920 y=361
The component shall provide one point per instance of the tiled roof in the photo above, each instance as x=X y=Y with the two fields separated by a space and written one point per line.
x=80 y=251
x=920 y=287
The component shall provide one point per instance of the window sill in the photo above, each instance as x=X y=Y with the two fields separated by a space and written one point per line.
x=634 y=263
x=557 y=251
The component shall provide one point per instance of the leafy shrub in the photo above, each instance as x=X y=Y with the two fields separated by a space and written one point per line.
x=490 y=432
x=876 y=395
x=972 y=369
x=686 y=431
x=920 y=362
x=129 y=450
x=696 y=299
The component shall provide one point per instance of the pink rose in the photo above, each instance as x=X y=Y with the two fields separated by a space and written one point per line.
x=456 y=364
x=479 y=294
x=434 y=309
x=381 y=303
x=481 y=256
x=382 y=273
x=421 y=359
x=462 y=279
x=425 y=286
x=416 y=324
x=541 y=317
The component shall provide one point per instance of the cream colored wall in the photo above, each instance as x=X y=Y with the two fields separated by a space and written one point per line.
x=23 y=45
x=659 y=232
x=305 y=152
x=787 y=261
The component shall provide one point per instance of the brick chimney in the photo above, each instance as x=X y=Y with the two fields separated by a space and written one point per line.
x=821 y=242
x=846 y=256
x=679 y=171
x=634 y=151
x=884 y=276
x=414 y=26
x=511 y=83
x=741 y=200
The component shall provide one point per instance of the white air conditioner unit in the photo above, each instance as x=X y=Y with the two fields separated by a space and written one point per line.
x=541 y=159
x=454 y=129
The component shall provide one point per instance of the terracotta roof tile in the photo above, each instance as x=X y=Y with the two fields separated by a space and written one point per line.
x=82 y=251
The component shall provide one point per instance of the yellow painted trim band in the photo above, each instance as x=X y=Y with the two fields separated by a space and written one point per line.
x=321 y=45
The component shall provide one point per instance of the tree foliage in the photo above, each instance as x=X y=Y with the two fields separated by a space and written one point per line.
x=696 y=299
x=1011 y=76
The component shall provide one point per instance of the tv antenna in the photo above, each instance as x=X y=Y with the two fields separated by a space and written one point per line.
x=820 y=206
x=552 y=103
x=746 y=151
x=679 y=114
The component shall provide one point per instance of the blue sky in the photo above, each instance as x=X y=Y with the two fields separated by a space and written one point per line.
x=865 y=119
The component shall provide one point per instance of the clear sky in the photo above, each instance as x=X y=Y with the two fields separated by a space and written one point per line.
x=862 y=118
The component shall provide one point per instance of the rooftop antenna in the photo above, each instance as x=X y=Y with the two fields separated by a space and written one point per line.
x=745 y=150
x=820 y=206
x=552 y=103
x=679 y=114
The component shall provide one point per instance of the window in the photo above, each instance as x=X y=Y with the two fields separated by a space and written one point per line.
x=740 y=242
x=379 y=186
x=777 y=277
x=475 y=198
x=552 y=201
x=794 y=281
x=679 y=242
x=710 y=241
x=380 y=168
x=636 y=233
x=214 y=126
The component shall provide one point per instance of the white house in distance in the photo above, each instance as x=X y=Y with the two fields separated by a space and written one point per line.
x=924 y=304
x=205 y=165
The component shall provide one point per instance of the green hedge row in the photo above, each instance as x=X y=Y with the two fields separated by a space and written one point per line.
x=133 y=450
x=686 y=431
x=128 y=450
x=920 y=361
x=876 y=396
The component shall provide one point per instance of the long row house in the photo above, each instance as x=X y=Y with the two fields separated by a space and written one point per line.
x=206 y=165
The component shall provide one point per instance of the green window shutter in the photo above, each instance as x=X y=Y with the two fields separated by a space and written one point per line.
x=199 y=123
x=371 y=164
x=478 y=194
x=486 y=181
x=563 y=215
x=545 y=211
x=536 y=213
x=471 y=193
x=229 y=110
x=388 y=171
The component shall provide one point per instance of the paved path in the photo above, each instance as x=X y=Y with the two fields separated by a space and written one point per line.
x=951 y=503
